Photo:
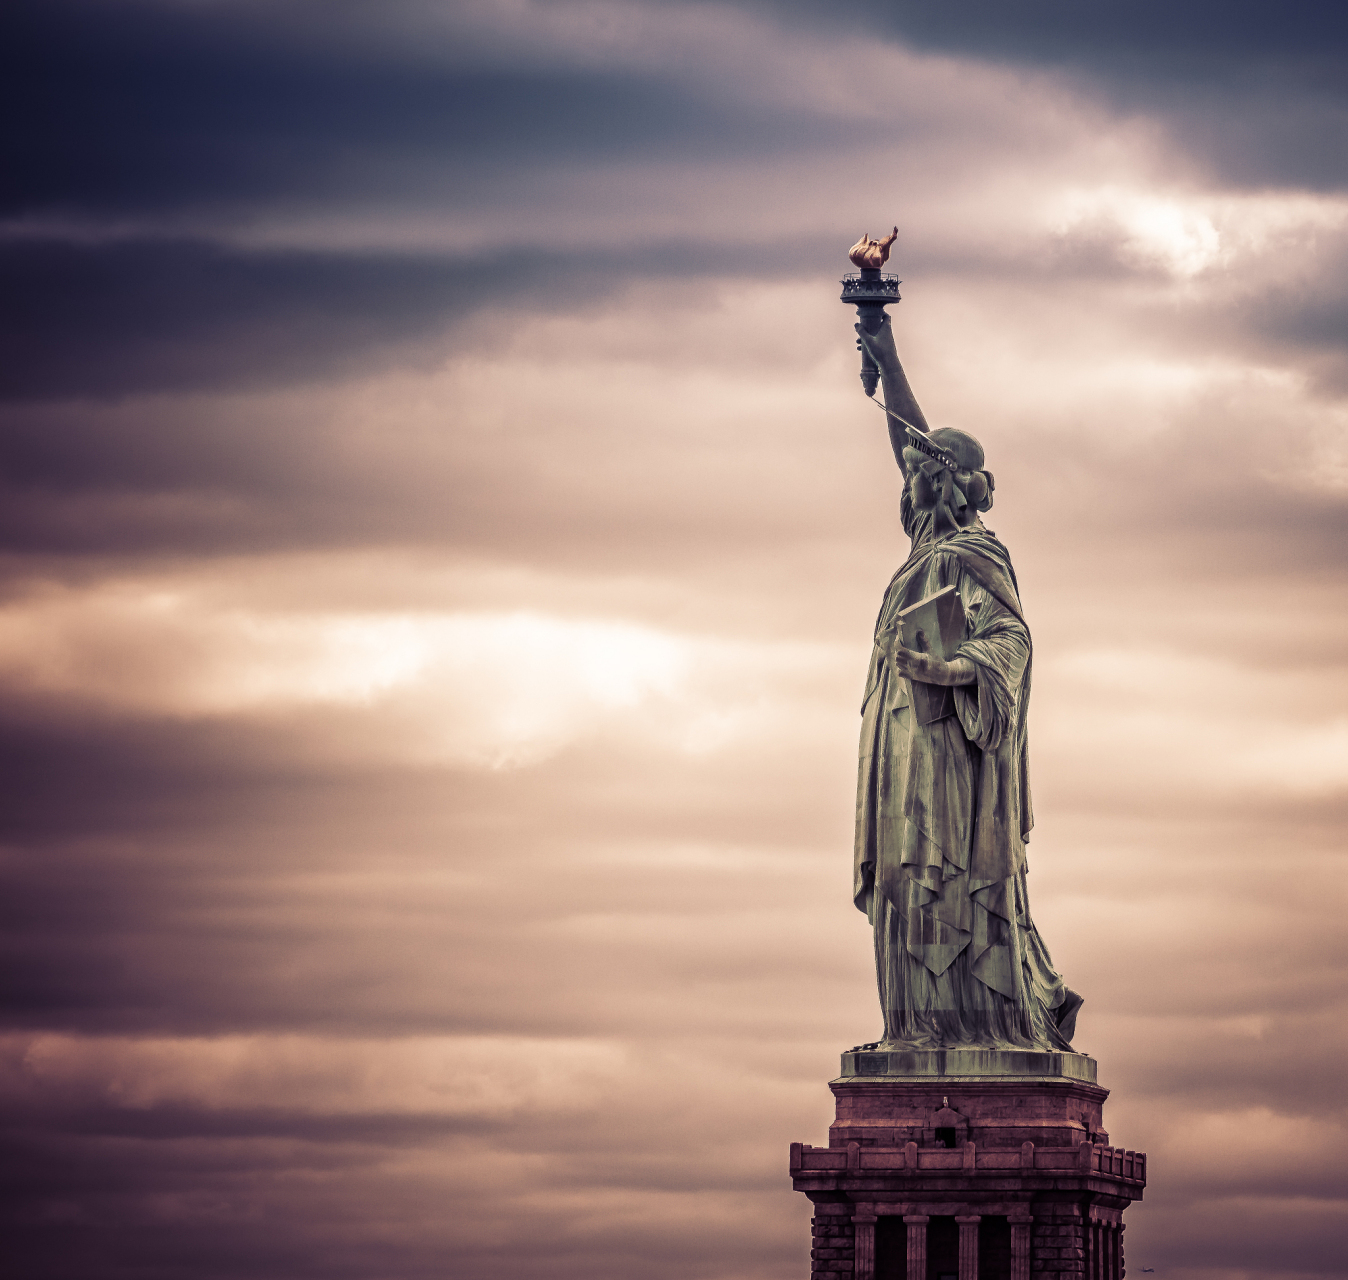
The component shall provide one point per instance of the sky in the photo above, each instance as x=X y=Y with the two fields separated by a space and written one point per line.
x=442 y=537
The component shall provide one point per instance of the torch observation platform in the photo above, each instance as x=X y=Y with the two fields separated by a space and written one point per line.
x=870 y=285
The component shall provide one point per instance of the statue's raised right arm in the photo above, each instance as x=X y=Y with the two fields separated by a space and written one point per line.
x=899 y=396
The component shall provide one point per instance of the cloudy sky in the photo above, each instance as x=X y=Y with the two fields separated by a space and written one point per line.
x=443 y=531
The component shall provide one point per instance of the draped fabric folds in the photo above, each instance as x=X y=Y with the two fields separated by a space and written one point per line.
x=943 y=814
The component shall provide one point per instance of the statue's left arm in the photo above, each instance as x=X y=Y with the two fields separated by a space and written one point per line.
x=928 y=668
x=999 y=649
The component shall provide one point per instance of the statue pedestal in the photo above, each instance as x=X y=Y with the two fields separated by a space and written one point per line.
x=967 y=1165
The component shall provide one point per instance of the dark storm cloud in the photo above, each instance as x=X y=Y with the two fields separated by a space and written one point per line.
x=166 y=1206
x=1253 y=129
x=136 y=848
x=163 y=314
x=119 y=1177
x=171 y=478
x=1098 y=30
x=69 y=772
x=96 y=934
x=1296 y=313
x=1255 y=93
x=85 y=927
x=120 y=108
x=116 y=108
x=1305 y=318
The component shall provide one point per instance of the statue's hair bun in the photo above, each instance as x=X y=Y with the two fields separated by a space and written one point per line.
x=986 y=504
x=977 y=488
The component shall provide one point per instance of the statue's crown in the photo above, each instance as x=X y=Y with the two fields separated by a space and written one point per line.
x=925 y=444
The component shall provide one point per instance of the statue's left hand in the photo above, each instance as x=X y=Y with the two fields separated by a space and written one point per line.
x=928 y=668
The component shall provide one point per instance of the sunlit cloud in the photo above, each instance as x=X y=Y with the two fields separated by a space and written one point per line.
x=495 y=689
x=493 y=1077
x=1173 y=234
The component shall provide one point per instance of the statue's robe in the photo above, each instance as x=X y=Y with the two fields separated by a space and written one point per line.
x=943 y=814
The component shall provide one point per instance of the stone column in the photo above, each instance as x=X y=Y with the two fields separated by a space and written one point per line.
x=917 y=1244
x=863 y=1223
x=968 y=1246
x=1020 y=1246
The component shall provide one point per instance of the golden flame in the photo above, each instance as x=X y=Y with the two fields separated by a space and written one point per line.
x=872 y=253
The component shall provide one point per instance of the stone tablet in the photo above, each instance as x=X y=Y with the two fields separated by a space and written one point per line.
x=934 y=625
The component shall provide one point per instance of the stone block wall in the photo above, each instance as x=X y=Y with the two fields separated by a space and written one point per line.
x=833 y=1244
x=1059 y=1237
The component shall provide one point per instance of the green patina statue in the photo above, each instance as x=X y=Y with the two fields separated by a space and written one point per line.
x=943 y=808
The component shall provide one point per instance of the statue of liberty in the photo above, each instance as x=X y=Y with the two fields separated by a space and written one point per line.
x=943 y=808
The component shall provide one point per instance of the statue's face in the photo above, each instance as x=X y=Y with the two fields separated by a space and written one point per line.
x=924 y=490
x=933 y=488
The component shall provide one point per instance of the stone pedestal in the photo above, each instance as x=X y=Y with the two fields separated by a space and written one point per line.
x=968 y=1165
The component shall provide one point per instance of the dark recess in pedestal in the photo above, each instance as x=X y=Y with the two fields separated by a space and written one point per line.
x=943 y=1247
x=994 y=1248
x=891 y=1248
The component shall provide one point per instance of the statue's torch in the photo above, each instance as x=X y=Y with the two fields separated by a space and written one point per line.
x=870 y=290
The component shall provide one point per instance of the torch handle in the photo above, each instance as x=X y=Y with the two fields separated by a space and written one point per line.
x=870 y=316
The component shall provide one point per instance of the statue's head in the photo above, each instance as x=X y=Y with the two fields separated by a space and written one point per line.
x=956 y=496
